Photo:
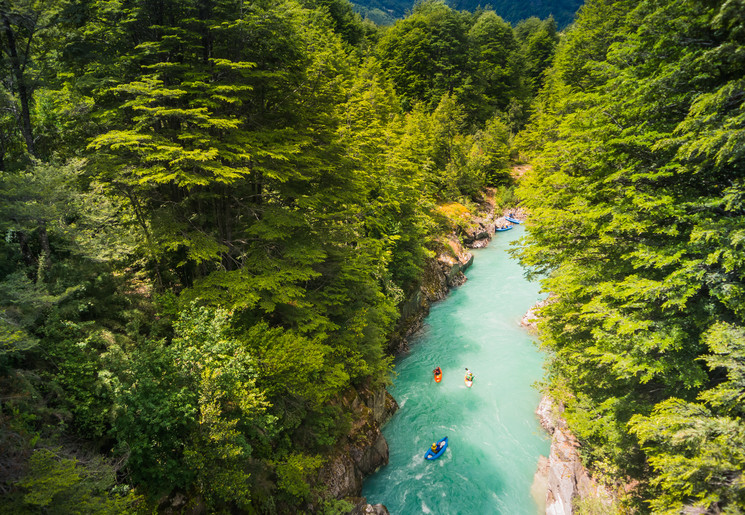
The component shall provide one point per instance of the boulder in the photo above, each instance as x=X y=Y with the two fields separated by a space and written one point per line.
x=363 y=508
x=530 y=319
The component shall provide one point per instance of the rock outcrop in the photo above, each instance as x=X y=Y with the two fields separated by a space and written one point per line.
x=364 y=449
x=363 y=508
x=530 y=319
x=565 y=476
x=482 y=229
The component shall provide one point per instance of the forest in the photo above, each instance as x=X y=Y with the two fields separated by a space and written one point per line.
x=386 y=12
x=213 y=211
x=636 y=202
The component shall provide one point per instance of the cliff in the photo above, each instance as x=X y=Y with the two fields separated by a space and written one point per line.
x=566 y=479
x=364 y=449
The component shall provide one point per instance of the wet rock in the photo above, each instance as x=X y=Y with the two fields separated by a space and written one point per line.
x=363 y=508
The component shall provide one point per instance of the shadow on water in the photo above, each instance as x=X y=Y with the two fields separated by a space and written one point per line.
x=494 y=436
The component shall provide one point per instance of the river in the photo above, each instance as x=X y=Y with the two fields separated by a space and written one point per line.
x=494 y=436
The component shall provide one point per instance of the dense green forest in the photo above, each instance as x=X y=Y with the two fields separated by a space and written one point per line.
x=513 y=11
x=212 y=211
x=637 y=228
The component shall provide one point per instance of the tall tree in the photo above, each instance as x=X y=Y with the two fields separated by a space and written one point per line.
x=494 y=63
x=640 y=167
x=426 y=55
x=27 y=29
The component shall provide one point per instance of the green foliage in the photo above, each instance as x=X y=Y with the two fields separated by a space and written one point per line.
x=696 y=448
x=213 y=211
x=495 y=66
x=426 y=54
x=538 y=40
x=293 y=473
x=188 y=413
x=504 y=196
x=55 y=484
x=336 y=507
x=635 y=201
x=594 y=506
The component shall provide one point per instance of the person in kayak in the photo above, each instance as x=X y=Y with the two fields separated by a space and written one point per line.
x=437 y=371
x=469 y=375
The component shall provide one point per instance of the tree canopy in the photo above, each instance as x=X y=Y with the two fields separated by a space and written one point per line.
x=213 y=212
x=635 y=229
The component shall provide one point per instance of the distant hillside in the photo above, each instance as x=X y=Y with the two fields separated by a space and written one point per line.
x=386 y=11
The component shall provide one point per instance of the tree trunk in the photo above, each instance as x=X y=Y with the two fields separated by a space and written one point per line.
x=28 y=257
x=24 y=96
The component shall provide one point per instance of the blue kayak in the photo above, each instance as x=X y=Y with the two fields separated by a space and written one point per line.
x=509 y=218
x=500 y=229
x=442 y=444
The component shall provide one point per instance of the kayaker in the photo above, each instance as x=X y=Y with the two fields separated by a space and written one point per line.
x=434 y=447
x=469 y=375
x=437 y=371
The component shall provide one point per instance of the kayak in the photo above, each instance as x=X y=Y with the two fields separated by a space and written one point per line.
x=429 y=455
x=513 y=220
x=438 y=377
x=500 y=229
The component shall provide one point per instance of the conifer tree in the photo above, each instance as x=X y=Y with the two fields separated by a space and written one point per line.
x=633 y=199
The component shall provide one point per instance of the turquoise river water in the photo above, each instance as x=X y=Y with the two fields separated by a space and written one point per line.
x=494 y=436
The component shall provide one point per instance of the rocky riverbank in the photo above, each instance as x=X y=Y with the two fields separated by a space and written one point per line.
x=565 y=478
x=561 y=479
x=362 y=451
x=445 y=271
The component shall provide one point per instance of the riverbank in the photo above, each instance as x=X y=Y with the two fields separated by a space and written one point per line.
x=495 y=439
x=365 y=449
x=562 y=481
x=469 y=230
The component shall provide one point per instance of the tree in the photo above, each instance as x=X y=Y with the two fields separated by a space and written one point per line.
x=426 y=54
x=188 y=413
x=494 y=64
x=697 y=448
x=538 y=40
x=28 y=32
x=633 y=131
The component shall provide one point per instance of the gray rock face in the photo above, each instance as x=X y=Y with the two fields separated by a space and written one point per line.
x=363 y=508
x=364 y=449
x=439 y=275
x=566 y=477
x=341 y=477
